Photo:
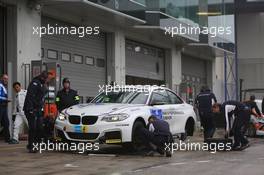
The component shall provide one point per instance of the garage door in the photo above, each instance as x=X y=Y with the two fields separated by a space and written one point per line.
x=83 y=60
x=144 y=64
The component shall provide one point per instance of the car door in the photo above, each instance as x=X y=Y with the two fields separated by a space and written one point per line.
x=162 y=107
x=178 y=113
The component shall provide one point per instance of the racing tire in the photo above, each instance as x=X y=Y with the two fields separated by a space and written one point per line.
x=136 y=145
x=189 y=129
x=251 y=132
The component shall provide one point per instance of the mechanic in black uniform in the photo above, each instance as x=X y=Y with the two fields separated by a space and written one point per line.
x=156 y=135
x=66 y=97
x=204 y=101
x=241 y=112
x=33 y=108
x=253 y=105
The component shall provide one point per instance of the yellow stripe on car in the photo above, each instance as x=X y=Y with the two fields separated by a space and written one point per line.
x=113 y=141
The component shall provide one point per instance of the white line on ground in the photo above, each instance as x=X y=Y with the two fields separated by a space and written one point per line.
x=203 y=161
x=156 y=166
x=261 y=158
x=178 y=163
x=70 y=166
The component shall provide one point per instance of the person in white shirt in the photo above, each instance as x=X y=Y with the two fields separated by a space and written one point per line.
x=20 y=119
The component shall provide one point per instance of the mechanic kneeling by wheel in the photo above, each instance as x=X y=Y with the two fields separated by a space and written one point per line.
x=155 y=137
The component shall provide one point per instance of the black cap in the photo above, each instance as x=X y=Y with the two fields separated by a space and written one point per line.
x=65 y=80
x=252 y=97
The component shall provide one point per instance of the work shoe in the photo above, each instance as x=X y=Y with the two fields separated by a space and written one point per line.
x=160 y=151
x=13 y=141
x=244 y=146
x=150 y=153
x=168 y=154
x=236 y=148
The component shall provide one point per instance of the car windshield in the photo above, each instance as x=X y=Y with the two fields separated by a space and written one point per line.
x=122 y=97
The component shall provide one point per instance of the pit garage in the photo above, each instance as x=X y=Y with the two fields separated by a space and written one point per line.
x=144 y=64
x=82 y=59
x=194 y=76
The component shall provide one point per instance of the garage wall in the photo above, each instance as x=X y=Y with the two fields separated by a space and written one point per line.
x=85 y=78
x=148 y=62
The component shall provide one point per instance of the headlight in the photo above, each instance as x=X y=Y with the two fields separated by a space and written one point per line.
x=115 y=117
x=62 y=117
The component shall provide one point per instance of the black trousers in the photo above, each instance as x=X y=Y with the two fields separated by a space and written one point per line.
x=207 y=122
x=149 y=138
x=5 y=122
x=35 y=126
x=241 y=121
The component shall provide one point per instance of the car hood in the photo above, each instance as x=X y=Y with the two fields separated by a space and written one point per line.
x=98 y=108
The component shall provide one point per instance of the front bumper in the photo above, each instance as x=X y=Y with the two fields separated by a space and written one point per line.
x=102 y=132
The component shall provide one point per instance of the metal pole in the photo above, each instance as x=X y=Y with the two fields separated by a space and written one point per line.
x=225 y=83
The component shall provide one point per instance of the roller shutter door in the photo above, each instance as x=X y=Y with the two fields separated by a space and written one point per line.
x=87 y=67
x=145 y=63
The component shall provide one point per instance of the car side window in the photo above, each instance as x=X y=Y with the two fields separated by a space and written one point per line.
x=174 y=98
x=140 y=98
x=160 y=97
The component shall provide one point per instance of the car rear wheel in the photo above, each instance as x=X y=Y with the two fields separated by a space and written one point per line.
x=189 y=129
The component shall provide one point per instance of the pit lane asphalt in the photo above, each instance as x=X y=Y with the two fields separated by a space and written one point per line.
x=113 y=160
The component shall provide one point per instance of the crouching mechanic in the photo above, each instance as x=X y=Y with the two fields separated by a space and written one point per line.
x=241 y=112
x=156 y=136
x=18 y=112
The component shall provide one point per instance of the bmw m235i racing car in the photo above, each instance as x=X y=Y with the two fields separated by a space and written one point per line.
x=115 y=117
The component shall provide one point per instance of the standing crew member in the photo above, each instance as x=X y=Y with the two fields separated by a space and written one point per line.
x=3 y=106
x=204 y=101
x=66 y=97
x=33 y=108
x=155 y=137
x=241 y=112
x=18 y=111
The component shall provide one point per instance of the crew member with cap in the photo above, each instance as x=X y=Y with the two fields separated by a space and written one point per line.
x=66 y=97
x=204 y=101
x=33 y=108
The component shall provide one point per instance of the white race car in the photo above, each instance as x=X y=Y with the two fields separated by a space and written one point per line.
x=115 y=117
